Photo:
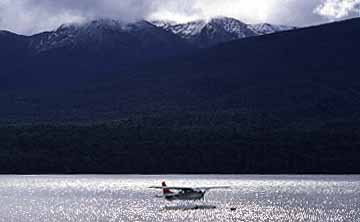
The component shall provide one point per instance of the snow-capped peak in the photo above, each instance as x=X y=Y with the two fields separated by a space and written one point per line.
x=95 y=34
x=203 y=33
x=190 y=29
x=105 y=24
x=232 y=26
x=74 y=33
x=215 y=30
x=184 y=30
x=209 y=32
x=266 y=28
x=163 y=23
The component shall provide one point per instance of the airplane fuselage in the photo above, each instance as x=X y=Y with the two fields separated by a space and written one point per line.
x=191 y=195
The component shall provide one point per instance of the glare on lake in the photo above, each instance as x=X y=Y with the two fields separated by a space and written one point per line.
x=128 y=198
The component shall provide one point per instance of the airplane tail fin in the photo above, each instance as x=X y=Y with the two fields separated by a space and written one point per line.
x=165 y=190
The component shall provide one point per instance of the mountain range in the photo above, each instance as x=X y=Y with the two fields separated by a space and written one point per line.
x=87 y=49
x=207 y=33
x=136 y=98
x=148 y=67
x=105 y=45
x=103 y=35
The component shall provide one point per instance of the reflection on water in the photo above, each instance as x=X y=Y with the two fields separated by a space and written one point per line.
x=127 y=198
x=190 y=206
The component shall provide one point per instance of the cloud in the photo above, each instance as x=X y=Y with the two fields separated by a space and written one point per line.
x=290 y=12
x=335 y=9
x=188 y=10
x=177 y=10
x=32 y=16
x=19 y=17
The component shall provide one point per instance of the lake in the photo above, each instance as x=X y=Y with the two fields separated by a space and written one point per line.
x=128 y=198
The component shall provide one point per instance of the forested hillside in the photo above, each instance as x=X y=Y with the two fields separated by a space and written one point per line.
x=282 y=103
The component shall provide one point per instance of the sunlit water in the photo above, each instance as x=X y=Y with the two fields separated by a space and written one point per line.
x=127 y=198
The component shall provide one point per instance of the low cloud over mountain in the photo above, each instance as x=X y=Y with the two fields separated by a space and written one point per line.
x=32 y=16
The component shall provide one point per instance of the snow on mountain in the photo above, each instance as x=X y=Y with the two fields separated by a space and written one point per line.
x=109 y=33
x=165 y=24
x=232 y=26
x=97 y=33
x=187 y=30
x=106 y=44
x=205 y=33
x=70 y=35
x=266 y=28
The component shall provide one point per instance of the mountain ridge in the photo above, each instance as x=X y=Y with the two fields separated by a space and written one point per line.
x=90 y=50
x=185 y=81
x=97 y=47
x=207 y=33
x=196 y=31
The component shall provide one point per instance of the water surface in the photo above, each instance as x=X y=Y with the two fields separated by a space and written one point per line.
x=127 y=198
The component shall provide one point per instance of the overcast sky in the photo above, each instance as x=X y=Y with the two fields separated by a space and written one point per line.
x=32 y=16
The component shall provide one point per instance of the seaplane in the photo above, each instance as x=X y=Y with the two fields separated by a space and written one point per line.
x=184 y=193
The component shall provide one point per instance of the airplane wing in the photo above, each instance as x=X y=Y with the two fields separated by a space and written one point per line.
x=172 y=188
x=190 y=188
x=211 y=188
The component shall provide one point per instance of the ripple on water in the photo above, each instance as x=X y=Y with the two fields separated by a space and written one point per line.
x=126 y=198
